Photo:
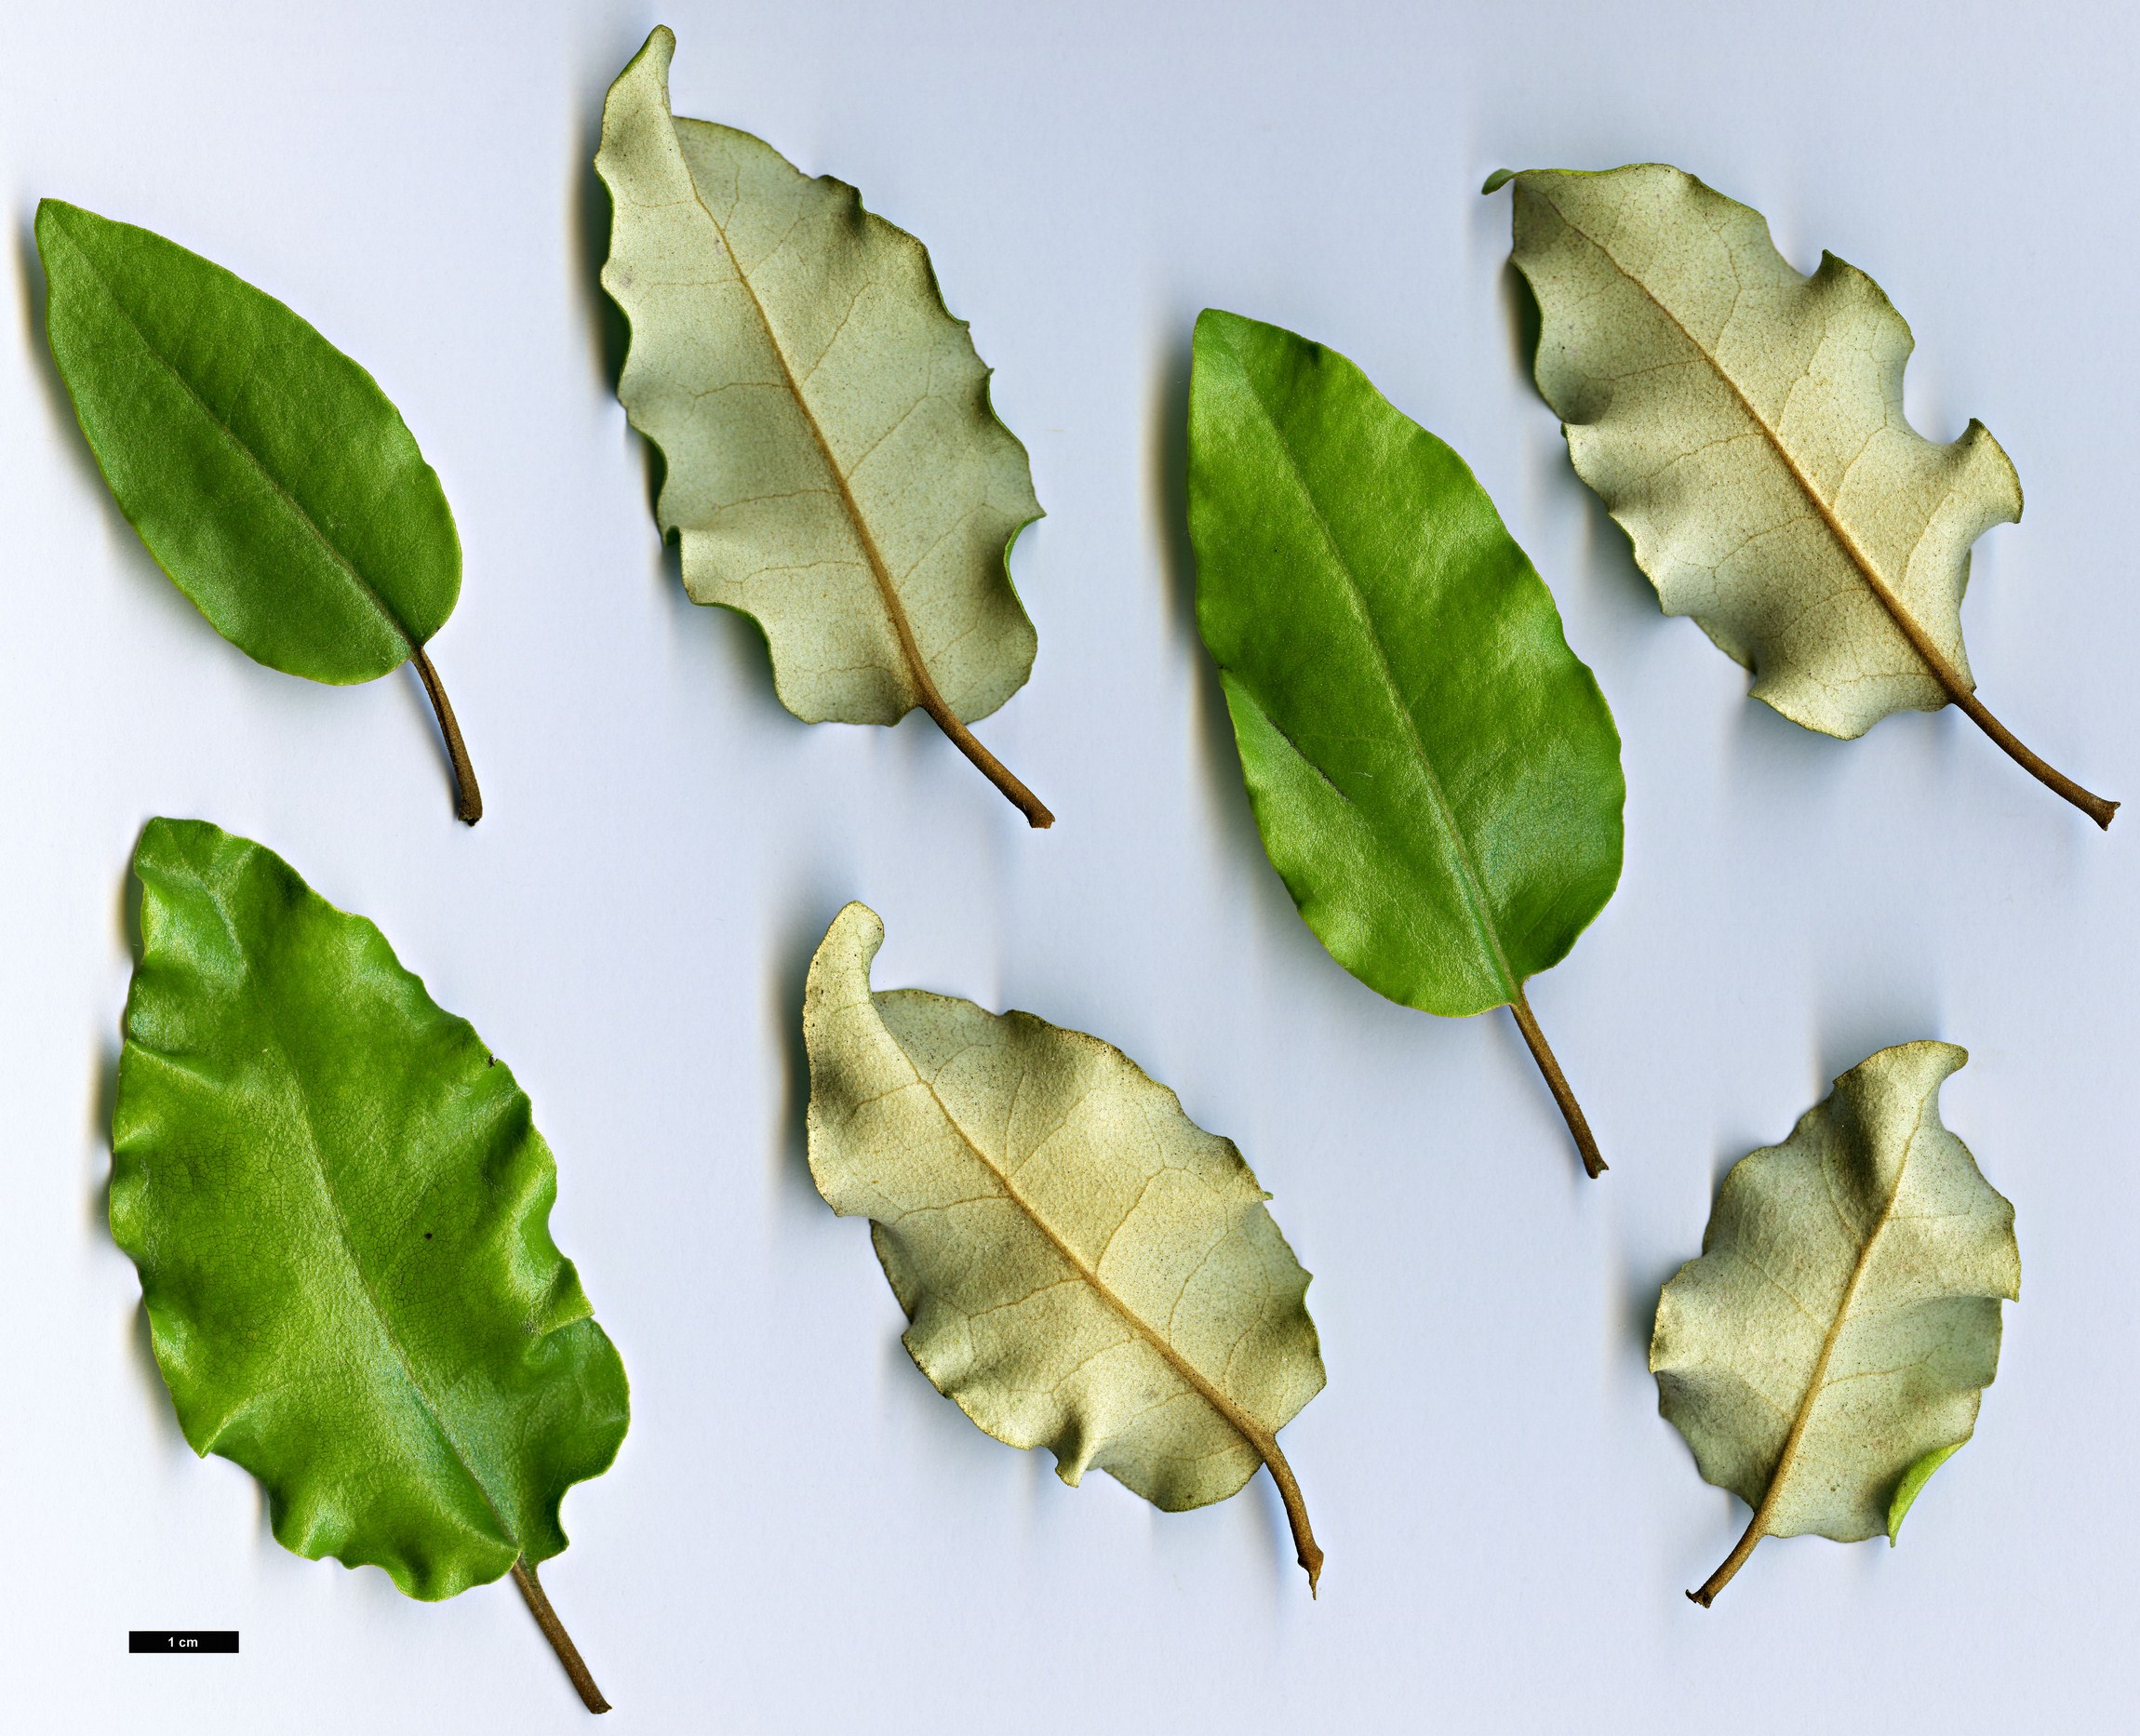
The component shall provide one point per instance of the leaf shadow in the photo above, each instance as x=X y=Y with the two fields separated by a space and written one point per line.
x=608 y=333
x=797 y=932
x=1763 y=739
x=31 y=275
x=1526 y=320
x=1605 y=547
x=713 y=630
x=105 y=1091
x=1726 y=1160
x=1608 y=552
x=1273 y=1531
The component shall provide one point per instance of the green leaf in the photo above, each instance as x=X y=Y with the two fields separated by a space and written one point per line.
x=1085 y=1268
x=834 y=469
x=1435 y=773
x=266 y=472
x=1745 y=426
x=1829 y=1350
x=339 y=1209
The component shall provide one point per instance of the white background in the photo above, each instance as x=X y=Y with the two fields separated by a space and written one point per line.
x=800 y=1534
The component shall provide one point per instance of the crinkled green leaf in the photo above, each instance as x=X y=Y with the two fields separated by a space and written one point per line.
x=1745 y=426
x=1829 y=1350
x=1435 y=773
x=834 y=469
x=1085 y=1268
x=339 y=1209
x=265 y=470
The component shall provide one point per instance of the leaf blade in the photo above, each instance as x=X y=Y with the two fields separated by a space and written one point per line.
x=1832 y=1339
x=780 y=465
x=1678 y=265
x=1745 y=426
x=339 y=1206
x=1083 y=1268
x=1448 y=817
x=265 y=470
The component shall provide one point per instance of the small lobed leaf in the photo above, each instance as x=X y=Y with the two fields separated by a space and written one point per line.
x=1827 y=1352
x=338 y=1206
x=1743 y=424
x=265 y=470
x=1085 y=1269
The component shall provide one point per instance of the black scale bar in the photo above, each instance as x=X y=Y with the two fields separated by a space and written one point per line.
x=182 y=1639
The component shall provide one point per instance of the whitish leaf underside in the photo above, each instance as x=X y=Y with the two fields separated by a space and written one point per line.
x=833 y=468
x=1083 y=1268
x=1844 y=1315
x=1743 y=424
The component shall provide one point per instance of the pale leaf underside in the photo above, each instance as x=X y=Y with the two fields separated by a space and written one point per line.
x=1083 y=1267
x=1745 y=426
x=833 y=468
x=1829 y=1349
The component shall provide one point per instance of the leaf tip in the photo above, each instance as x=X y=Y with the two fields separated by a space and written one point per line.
x=1498 y=179
x=51 y=212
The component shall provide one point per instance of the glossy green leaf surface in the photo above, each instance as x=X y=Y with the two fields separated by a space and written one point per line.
x=266 y=472
x=338 y=1206
x=1435 y=773
x=1827 y=1352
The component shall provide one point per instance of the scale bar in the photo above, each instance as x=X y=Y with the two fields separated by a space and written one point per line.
x=182 y=1639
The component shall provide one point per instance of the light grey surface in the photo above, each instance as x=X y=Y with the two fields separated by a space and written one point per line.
x=800 y=1534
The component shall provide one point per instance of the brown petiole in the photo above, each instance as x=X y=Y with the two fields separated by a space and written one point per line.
x=1571 y=1110
x=995 y=770
x=560 y=1641
x=467 y=797
x=1757 y=1529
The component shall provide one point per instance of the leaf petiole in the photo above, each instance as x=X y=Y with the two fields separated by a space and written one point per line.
x=1306 y=1549
x=2096 y=807
x=1036 y=811
x=1594 y=1164
x=1757 y=1529
x=467 y=796
x=553 y=1631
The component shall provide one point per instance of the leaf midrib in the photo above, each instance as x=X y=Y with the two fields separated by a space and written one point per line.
x=256 y=993
x=297 y=508
x=1261 y=1440
x=1468 y=884
x=1816 y=1383
x=887 y=591
x=1912 y=630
